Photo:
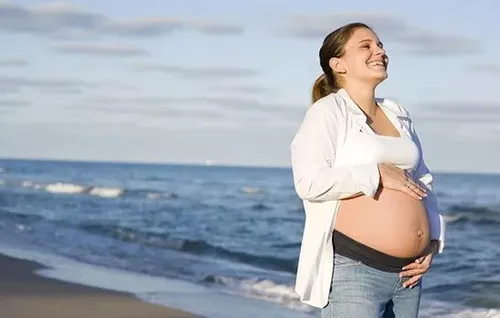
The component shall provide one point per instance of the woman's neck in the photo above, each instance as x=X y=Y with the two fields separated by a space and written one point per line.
x=364 y=98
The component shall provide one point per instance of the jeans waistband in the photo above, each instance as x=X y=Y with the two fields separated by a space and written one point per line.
x=348 y=247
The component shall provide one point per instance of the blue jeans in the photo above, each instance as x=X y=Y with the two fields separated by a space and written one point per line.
x=358 y=290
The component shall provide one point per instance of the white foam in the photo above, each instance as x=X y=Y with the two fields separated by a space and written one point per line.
x=106 y=192
x=250 y=190
x=68 y=188
x=30 y=184
x=454 y=218
x=153 y=195
x=471 y=313
x=433 y=308
x=266 y=290
x=27 y=184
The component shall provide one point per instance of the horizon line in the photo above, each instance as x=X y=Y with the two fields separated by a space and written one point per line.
x=200 y=164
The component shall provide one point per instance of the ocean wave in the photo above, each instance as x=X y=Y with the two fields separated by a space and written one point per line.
x=18 y=216
x=251 y=190
x=96 y=190
x=263 y=289
x=68 y=188
x=105 y=192
x=260 y=207
x=198 y=247
x=435 y=308
x=287 y=245
x=476 y=214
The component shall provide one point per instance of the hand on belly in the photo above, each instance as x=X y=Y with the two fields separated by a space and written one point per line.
x=394 y=178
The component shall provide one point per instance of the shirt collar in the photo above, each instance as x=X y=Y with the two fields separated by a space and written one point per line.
x=354 y=109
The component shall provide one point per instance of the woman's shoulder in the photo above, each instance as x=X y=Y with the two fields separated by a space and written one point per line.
x=330 y=105
x=393 y=106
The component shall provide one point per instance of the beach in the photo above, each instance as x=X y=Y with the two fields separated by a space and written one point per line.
x=218 y=242
x=23 y=294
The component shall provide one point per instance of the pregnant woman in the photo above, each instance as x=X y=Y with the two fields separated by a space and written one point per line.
x=372 y=224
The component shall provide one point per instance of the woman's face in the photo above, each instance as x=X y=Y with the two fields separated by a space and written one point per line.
x=364 y=59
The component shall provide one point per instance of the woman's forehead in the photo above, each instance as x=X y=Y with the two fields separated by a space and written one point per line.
x=363 y=34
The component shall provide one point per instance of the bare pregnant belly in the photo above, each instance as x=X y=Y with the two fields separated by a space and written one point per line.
x=393 y=222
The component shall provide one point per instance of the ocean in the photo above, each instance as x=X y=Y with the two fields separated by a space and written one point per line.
x=219 y=241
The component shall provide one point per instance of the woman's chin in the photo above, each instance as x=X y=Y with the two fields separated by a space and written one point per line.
x=382 y=75
x=379 y=78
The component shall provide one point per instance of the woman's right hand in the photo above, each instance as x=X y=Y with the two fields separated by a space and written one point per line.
x=392 y=177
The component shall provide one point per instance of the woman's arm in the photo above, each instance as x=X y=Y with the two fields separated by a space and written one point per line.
x=314 y=150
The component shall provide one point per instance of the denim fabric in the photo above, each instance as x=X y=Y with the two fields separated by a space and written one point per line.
x=360 y=291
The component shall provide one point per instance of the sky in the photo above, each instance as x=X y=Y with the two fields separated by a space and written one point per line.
x=228 y=82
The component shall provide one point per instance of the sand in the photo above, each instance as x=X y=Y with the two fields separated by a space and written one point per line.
x=24 y=294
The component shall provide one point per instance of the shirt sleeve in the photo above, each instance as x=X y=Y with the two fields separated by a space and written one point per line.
x=426 y=178
x=313 y=151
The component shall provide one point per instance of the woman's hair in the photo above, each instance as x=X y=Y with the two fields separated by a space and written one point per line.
x=333 y=46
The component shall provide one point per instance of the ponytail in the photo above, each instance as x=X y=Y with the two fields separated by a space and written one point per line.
x=333 y=47
x=321 y=88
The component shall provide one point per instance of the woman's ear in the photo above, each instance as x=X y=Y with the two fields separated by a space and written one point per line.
x=337 y=65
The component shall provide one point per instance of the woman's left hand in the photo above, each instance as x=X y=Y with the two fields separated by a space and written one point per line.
x=419 y=267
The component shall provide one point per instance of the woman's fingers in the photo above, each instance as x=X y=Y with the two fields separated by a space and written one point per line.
x=411 y=187
x=415 y=185
x=410 y=192
x=416 y=188
x=399 y=179
x=420 y=187
x=412 y=282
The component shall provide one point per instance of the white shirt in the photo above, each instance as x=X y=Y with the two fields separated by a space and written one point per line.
x=401 y=151
x=326 y=170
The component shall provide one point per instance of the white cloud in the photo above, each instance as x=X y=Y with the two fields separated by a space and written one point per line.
x=466 y=112
x=115 y=50
x=485 y=68
x=390 y=28
x=50 y=85
x=198 y=73
x=162 y=26
x=138 y=114
x=13 y=103
x=17 y=82
x=195 y=104
x=66 y=20
x=8 y=90
x=130 y=100
x=13 y=62
x=63 y=91
x=241 y=89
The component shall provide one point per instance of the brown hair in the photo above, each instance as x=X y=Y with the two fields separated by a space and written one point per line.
x=333 y=46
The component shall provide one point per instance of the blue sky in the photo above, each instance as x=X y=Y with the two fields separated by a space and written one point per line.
x=228 y=81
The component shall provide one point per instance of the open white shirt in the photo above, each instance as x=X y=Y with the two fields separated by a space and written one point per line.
x=324 y=173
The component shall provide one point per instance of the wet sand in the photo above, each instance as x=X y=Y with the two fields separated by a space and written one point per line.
x=24 y=294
